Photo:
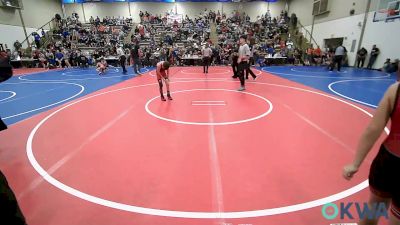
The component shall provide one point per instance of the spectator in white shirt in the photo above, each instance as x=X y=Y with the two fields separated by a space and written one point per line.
x=206 y=53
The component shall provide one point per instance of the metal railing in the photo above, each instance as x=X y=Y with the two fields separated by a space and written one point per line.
x=307 y=34
x=30 y=35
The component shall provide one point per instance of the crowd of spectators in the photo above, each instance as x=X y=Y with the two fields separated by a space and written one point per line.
x=187 y=38
x=157 y=38
x=73 y=43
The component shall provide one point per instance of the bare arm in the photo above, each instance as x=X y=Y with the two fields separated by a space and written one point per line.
x=158 y=71
x=373 y=131
x=376 y=126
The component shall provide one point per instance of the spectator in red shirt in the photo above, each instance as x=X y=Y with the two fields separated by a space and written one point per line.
x=317 y=55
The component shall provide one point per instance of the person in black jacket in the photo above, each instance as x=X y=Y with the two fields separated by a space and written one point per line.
x=135 y=59
x=122 y=59
x=361 y=55
x=235 y=64
x=5 y=74
x=374 y=55
x=9 y=209
x=251 y=62
x=5 y=66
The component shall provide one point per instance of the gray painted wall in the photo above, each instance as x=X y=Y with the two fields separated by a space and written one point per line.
x=192 y=9
x=338 y=9
x=9 y=17
x=35 y=13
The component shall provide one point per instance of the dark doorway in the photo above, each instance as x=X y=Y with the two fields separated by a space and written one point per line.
x=333 y=43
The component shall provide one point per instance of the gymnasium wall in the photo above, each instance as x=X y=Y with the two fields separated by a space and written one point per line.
x=260 y=8
x=155 y=8
x=9 y=16
x=346 y=27
x=117 y=9
x=385 y=36
x=12 y=33
x=192 y=9
x=35 y=14
x=338 y=9
x=339 y=24
x=74 y=8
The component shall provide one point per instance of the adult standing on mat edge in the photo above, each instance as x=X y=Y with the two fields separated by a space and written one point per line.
x=243 y=61
x=340 y=52
x=384 y=181
x=374 y=54
x=163 y=74
x=206 y=53
x=122 y=59
x=361 y=55
x=135 y=58
x=235 y=64
x=251 y=61
x=5 y=74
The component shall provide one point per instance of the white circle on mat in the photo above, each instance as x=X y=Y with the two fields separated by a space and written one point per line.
x=323 y=77
x=78 y=79
x=184 y=214
x=311 y=71
x=211 y=123
x=224 y=71
x=13 y=94
x=82 y=88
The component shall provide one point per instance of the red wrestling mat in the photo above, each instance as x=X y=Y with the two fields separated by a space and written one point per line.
x=270 y=155
x=24 y=71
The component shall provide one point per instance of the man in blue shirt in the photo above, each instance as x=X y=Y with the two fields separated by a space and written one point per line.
x=60 y=59
x=271 y=51
x=37 y=40
x=65 y=33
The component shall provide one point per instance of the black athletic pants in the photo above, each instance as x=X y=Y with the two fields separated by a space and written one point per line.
x=235 y=70
x=206 y=64
x=122 y=61
x=243 y=66
x=371 y=62
x=337 y=60
x=360 y=60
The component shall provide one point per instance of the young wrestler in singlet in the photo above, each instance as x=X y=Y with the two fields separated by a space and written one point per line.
x=384 y=176
x=163 y=74
x=101 y=66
